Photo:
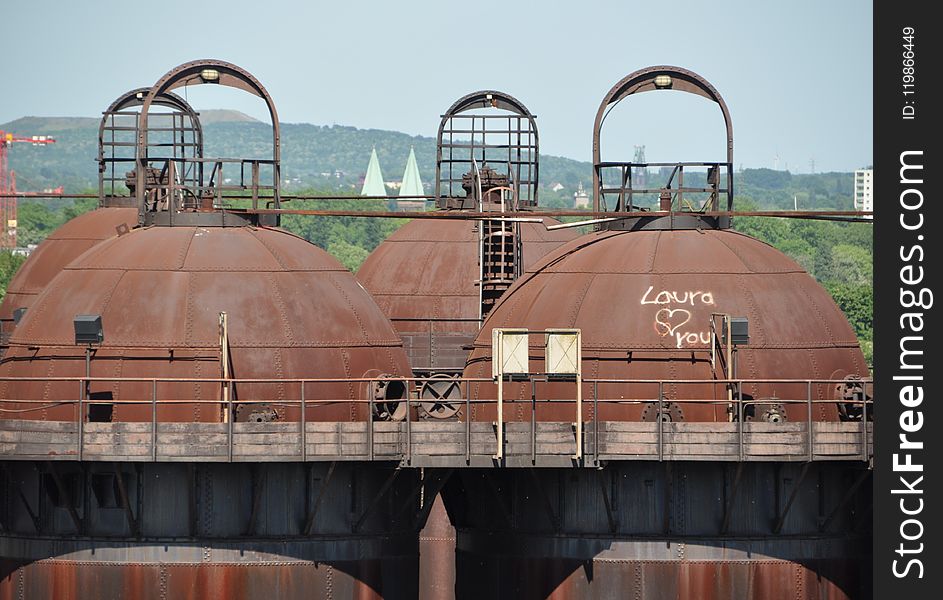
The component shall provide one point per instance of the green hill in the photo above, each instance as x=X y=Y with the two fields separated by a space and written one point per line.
x=335 y=157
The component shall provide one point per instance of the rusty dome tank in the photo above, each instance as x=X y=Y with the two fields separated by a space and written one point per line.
x=293 y=311
x=652 y=296
x=289 y=304
x=704 y=360
x=668 y=284
x=436 y=280
x=180 y=407
x=116 y=211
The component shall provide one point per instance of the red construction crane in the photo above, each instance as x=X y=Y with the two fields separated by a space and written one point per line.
x=8 y=185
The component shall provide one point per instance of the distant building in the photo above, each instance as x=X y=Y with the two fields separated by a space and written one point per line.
x=556 y=187
x=580 y=197
x=412 y=183
x=373 y=180
x=864 y=190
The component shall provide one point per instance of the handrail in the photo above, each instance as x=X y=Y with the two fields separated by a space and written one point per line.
x=305 y=403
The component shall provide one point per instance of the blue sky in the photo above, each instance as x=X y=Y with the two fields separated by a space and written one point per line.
x=796 y=75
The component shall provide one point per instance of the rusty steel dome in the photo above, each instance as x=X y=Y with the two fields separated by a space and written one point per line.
x=643 y=301
x=115 y=212
x=60 y=248
x=425 y=275
x=293 y=312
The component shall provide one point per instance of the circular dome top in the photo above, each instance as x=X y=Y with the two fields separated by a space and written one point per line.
x=60 y=248
x=429 y=269
x=293 y=312
x=643 y=301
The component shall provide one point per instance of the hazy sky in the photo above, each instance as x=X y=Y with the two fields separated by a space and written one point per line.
x=796 y=75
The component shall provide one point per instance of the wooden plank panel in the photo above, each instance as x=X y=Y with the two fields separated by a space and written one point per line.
x=192 y=427
x=628 y=448
x=353 y=426
x=552 y=449
x=627 y=426
x=254 y=450
x=628 y=437
x=215 y=458
x=123 y=458
x=437 y=426
x=444 y=449
x=837 y=438
x=32 y=425
x=379 y=437
x=761 y=427
x=116 y=438
x=699 y=449
x=353 y=449
x=837 y=449
x=273 y=439
x=775 y=438
x=836 y=426
x=194 y=450
x=696 y=437
x=274 y=427
x=38 y=437
x=755 y=449
x=38 y=449
x=91 y=450
x=192 y=438
x=118 y=427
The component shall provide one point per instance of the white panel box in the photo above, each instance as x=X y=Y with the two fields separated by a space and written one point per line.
x=509 y=352
x=564 y=354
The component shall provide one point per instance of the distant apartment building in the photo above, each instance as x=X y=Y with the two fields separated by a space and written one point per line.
x=864 y=190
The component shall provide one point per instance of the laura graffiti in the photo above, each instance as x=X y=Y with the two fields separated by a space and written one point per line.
x=676 y=322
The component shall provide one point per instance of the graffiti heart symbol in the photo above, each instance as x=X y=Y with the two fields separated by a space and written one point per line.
x=668 y=320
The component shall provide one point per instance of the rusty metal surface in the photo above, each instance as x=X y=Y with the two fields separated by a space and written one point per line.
x=556 y=579
x=424 y=277
x=688 y=530
x=293 y=311
x=69 y=580
x=643 y=301
x=437 y=555
x=60 y=248
x=282 y=530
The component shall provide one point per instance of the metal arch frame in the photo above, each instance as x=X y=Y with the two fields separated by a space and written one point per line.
x=189 y=73
x=134 y=98
x=480 y=99
x=643 y=80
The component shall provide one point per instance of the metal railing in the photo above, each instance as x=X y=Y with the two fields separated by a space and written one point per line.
x=206 y=179
x=714 y=181
x=465 y=429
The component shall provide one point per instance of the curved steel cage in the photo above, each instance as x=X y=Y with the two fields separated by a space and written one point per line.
x=708 y=183
x=162 y=194
x=174 y=135
x=477 y=151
